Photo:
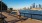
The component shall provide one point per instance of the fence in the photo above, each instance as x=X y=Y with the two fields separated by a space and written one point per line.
x=33 y=16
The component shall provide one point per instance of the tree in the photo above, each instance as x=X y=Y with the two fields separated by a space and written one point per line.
x=4 y=6
x=11 y=9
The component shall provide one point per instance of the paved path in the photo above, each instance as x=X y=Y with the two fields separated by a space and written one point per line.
x=32 y=21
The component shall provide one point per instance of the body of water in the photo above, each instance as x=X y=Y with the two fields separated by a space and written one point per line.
x=37 y=14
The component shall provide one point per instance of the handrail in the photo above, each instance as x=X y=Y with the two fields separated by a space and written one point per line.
x=31 y=14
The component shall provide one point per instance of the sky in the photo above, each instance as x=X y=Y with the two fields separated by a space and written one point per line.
x=17 y=4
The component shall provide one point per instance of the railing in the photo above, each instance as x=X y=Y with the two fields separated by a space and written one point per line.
x=36 y=16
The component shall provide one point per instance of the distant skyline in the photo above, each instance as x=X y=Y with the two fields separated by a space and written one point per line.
x=16 y=4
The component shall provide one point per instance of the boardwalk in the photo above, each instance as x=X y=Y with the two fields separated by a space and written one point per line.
x=10 y=18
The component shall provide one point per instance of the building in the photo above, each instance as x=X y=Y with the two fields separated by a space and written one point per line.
x=39 y=6
x=3 y=6
x=36 y=9
x=33 y=5
x=24 y=8
x=36 y=6
x=30 y=7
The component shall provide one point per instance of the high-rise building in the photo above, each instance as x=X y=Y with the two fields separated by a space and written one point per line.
x=36 y=6
x=30 y=7
x=33 y=5
x=39 y=6
x=24 y=8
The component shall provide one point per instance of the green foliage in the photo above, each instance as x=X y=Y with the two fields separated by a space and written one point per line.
x=11 y=9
